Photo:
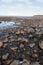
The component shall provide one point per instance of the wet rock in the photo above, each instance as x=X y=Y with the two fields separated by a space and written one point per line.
x=32 y=45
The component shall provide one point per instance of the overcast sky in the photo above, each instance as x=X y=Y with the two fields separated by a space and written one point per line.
x=21 y=7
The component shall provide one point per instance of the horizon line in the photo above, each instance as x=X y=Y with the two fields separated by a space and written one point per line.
x=19 y=15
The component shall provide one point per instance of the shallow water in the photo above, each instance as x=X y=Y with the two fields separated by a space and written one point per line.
x=13 y=24
x=4 y=25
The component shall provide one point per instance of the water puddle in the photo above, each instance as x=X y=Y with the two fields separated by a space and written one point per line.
x=4 y=25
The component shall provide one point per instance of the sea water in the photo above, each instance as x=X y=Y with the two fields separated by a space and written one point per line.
x=4 y=25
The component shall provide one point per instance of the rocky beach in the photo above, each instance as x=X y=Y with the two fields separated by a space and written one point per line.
x=23 y=40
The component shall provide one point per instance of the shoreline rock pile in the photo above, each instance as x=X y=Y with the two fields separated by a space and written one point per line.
x=25 y=42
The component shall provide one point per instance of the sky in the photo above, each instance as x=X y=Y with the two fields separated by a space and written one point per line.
x=21 y=7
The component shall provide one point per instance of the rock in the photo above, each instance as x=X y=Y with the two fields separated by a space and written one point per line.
x=11 y=36
x=31 y=30
x=6 y=40
x=15 y=62
x=22 y=32
x=35 y=50
x=32 y=45
x=18 y=32
x=11 y=40
x=6 y=35
x=14 y=49
x=1 y=44
x=41 y=32
x=21 y=46
x=26 y=62
x=35 y=56
x=35 y=63
x=30 y=36
x=8 y=62
x=25 y=40
x=4 y=45
x=5 y=56
x=41 y=44
x=19 y=39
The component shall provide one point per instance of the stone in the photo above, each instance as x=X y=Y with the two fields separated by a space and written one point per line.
x=1 y=44
x=5 y=56
x=41 y=44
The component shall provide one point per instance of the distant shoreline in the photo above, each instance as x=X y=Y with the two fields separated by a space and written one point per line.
x=33 y=20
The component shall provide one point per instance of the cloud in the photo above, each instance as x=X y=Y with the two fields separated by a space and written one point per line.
x=19 y=8
x=16 y=1
x=6 y=1
x=39 y=1
x=17 y=11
